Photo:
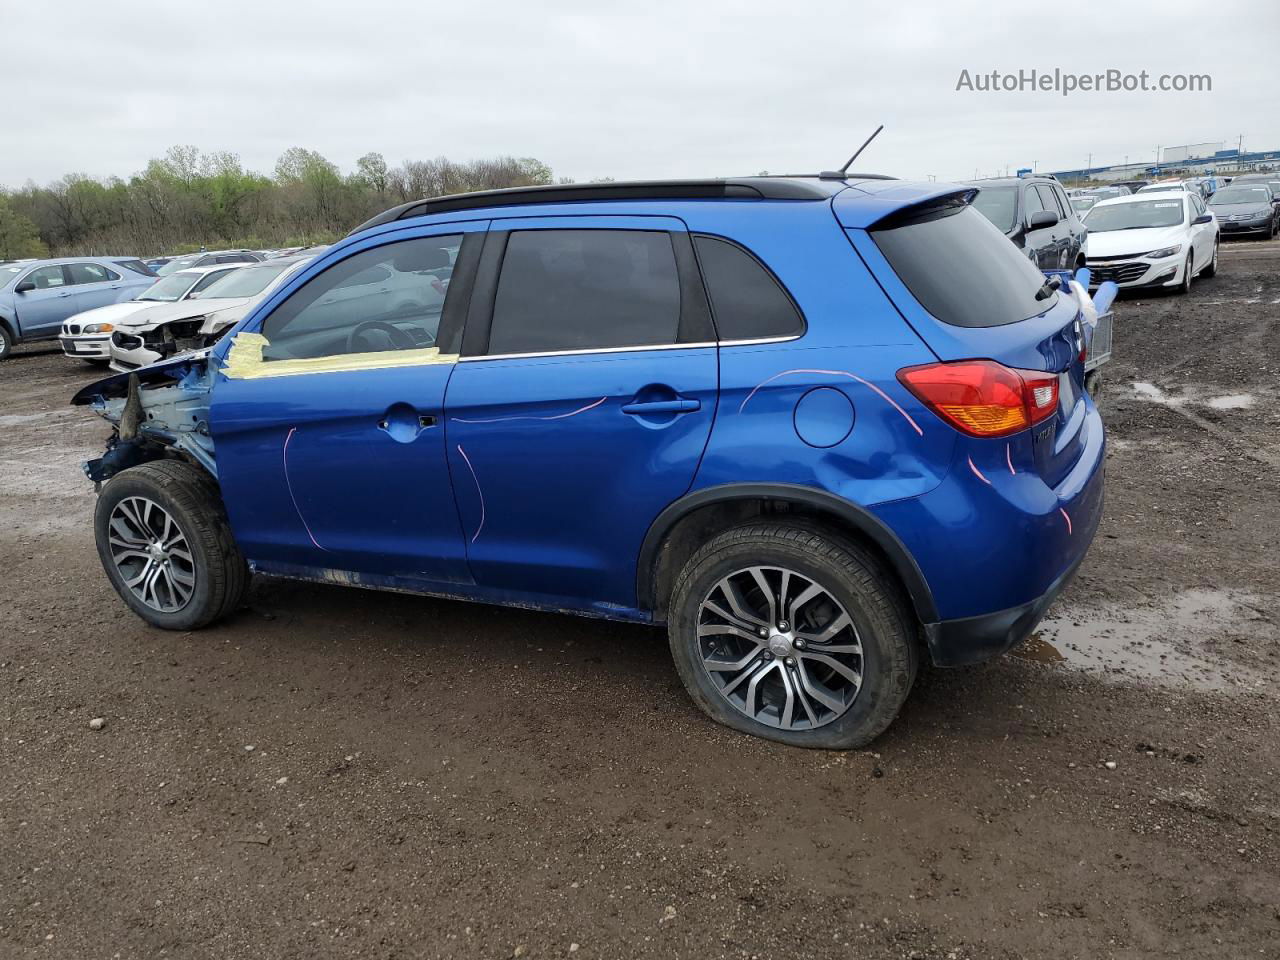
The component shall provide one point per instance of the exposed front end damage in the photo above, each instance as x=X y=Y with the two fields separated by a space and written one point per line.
x=160 y=411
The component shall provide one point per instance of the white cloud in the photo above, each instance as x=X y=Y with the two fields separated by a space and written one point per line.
x=663 y=89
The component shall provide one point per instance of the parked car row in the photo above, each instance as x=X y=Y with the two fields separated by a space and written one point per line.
x=36 y=296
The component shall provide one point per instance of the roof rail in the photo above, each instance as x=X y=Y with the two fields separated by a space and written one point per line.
x=737 y=188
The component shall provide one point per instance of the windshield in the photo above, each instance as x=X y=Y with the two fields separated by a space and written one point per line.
x=1083 y=203
x=174 y=265
x=999 y=205
x=1141 y=215
x=1241 y=195
x=170 y=288
x=1156 y=187
x=8 y=273
x=243 y=282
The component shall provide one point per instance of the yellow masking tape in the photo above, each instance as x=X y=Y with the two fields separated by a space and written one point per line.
x=244 y=360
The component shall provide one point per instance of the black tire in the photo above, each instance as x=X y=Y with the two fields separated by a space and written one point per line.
x=6 y=342
x=1211 y=269
x=191 y=497
x=863 y=586
x=1185 y=286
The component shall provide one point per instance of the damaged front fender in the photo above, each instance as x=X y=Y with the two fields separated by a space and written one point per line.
x=157 y=410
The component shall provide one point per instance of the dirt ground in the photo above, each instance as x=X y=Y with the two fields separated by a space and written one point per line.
x=340 y=773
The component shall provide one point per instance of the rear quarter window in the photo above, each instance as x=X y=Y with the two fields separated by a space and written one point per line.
x=746 y=301
x=961 y=268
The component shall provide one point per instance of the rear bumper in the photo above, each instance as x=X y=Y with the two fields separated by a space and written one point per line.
x=996 y=544
x=959 y=643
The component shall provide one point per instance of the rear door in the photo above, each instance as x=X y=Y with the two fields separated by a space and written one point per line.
x=95 y=285
x=582 y=402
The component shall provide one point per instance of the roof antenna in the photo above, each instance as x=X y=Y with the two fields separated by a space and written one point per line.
x=840 y=174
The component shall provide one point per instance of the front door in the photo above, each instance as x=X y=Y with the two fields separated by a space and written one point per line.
x=582 y=404
x=42 y=310
x=328 y=422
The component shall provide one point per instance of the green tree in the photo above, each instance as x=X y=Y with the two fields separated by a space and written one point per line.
x=19 y=238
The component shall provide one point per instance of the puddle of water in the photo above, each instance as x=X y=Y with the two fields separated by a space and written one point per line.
x=1161 y=644
x=1150 y=392
x=1235 y=401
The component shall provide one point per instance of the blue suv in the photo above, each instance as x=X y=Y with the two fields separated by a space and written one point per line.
x=819 y=427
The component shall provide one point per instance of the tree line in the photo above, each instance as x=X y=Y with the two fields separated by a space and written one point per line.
x=189 y=199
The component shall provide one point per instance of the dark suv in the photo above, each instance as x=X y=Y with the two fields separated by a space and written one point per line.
x=1036 y=215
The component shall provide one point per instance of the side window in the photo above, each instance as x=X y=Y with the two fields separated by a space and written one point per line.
x=1064 y=205
x=207 y=279
x=1048 y=200
x=91 y=273
x=585 y=290
x=746 y=301
x=1030 y=203
x=386 y=298
x=47 y=278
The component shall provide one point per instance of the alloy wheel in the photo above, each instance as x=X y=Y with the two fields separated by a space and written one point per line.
x=780 y=648
x=151 y=554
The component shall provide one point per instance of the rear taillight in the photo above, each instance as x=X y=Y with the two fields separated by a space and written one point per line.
x=983 y=398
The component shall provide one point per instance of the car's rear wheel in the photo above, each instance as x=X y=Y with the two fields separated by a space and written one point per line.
x=789 y=633
x=165 y=543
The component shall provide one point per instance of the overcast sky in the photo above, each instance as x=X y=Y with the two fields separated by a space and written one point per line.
x=659 y=90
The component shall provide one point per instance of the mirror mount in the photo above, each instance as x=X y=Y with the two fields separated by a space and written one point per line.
x=1203 y=218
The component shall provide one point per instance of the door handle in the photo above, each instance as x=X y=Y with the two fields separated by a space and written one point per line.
x=646 y=407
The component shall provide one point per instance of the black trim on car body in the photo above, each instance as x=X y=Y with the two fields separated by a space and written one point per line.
x=856 y=516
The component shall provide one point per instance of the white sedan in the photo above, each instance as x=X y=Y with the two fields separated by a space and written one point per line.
x=87 y=335
x=1155 y=239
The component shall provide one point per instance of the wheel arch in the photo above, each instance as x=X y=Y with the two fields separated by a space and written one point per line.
x=10 y=324
x=684 y=525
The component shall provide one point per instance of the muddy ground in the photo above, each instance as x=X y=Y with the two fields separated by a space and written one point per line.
x=338 y=773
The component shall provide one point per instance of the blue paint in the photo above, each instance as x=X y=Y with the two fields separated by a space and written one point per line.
x=539 y=479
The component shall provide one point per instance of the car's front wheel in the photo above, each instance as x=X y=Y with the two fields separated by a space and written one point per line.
x=789 y=633
x=1212 y=269
x=166 y=545
x=6 y=343
x=1187 y=270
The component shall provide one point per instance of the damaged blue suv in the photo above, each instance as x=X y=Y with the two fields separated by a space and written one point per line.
x=819 y=427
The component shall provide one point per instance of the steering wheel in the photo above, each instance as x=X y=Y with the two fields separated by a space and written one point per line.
x=399 y=339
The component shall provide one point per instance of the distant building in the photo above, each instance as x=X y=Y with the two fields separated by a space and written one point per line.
x=1192 y=159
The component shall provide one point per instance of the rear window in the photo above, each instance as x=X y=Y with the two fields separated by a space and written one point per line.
x=962 y=269
x=137 y=266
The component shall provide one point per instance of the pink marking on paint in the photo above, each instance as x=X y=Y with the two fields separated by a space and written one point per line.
x=837 y=373
x=1066 y=518
x=978 y=473
x=284 y=456
x=558 y=416
x=1008 y=456
x=467 y=461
